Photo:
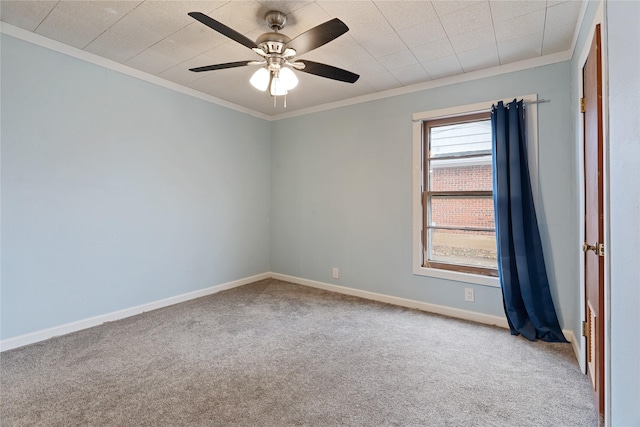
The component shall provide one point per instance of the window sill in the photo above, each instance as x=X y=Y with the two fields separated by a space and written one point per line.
x=476 y=279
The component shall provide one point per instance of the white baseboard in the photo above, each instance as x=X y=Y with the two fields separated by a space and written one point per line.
x=67 y=328
x=575 y=344
x=431 y=308
x=487 y=319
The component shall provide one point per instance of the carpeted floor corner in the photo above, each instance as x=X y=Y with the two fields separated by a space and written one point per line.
x=277 y=354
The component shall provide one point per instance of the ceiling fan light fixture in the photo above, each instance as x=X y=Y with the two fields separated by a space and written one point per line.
x=277 y=52
x=288 y=78
x=278 y=88
x=260 y=79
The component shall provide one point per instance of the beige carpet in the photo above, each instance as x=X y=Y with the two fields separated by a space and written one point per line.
x=278 y=354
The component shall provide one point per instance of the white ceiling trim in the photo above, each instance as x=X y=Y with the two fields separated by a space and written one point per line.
x=48 y=43
x=446 y=81
x=576 y=32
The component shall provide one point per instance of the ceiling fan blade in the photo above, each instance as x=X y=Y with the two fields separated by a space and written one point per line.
x=318 y=36
x=223 y=29
x=328 y=71
x=222 y=66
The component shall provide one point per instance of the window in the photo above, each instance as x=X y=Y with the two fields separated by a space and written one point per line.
x=458 y=226
x=445 y=244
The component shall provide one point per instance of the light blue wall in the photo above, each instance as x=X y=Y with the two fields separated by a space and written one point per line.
x=342 y=183
x=117 y=192
x=623 y=48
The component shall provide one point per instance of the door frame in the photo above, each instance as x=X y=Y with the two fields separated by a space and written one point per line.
x=579 y=142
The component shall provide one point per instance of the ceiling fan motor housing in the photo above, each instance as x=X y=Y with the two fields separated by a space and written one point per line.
x=275 y=20
x=272 y=42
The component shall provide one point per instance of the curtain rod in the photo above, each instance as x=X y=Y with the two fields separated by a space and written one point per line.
x=539 y=101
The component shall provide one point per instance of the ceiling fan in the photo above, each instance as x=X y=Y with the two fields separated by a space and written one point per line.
x=278 y=51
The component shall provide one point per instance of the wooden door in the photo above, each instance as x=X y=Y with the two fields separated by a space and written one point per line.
x=594 y=224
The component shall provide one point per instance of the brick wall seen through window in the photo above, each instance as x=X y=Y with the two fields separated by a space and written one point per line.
x=459 y=218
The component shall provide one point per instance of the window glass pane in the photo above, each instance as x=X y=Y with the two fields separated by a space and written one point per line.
x=459 y=162
x=473 y=212
x=460 y=139
x=472 y=248
x=468 y=174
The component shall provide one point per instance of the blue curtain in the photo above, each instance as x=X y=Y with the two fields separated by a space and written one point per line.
x=523 y=276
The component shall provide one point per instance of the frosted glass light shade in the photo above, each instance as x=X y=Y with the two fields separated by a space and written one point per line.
x=260 y=79
x=288 y=78
x=277 y=87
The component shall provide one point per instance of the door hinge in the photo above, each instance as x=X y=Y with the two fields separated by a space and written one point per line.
x=597 y=248
x=583 y=105
x=585 y=329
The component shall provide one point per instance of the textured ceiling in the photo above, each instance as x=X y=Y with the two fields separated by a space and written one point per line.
x=390 y=43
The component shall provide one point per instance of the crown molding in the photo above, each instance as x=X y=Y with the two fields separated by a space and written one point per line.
x=445 y=81
x=579 y=24
x=45 y=42
x=74 y=52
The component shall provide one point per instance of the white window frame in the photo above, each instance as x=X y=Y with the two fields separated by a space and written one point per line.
x=531 y=123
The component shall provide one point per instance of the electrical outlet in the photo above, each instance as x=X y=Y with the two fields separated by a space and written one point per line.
x=468 y=295
x=336 y=273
